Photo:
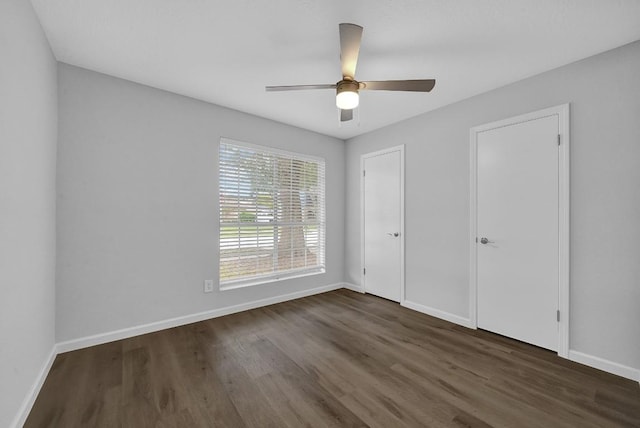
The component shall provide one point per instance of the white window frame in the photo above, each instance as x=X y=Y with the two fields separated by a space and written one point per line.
x=319 y=268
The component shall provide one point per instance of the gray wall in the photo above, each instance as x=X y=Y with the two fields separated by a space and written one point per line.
x=28 y=110
x=137 y=203
x=604 y=92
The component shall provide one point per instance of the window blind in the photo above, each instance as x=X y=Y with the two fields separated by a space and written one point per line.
x=272 y=214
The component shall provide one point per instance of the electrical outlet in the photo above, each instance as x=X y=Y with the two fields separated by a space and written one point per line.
x=208 y=285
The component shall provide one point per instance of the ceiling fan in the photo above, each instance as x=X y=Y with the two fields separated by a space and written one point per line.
x=347 y=97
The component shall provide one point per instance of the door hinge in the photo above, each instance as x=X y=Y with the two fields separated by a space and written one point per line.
x=558 y=315
x=476 y=239
x=364 y=173
x=558 y=139
x=364 y=271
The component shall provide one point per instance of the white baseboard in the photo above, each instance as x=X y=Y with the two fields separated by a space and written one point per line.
x=98 y=339
x=447 y=316
x=605 y=365
x=353 y=287
x=30 y=399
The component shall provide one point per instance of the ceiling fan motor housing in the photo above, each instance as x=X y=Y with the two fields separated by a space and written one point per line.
x=347 y=85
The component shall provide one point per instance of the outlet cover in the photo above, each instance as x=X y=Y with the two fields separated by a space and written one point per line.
x=208 y=285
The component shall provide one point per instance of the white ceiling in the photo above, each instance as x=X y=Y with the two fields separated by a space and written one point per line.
x=226 y=51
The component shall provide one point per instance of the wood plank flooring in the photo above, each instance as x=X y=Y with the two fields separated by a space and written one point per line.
x=339 y=359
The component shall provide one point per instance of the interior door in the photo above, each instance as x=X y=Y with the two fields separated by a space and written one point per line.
x=517 y=224
x=382 y=240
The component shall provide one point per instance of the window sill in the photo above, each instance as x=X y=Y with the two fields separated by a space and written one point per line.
x=261 y=281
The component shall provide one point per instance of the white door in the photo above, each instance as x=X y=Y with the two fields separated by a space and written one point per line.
x=382 y=218
x=517 y=213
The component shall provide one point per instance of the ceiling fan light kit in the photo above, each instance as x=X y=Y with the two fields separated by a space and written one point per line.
x=347 y=97
x=347 y=90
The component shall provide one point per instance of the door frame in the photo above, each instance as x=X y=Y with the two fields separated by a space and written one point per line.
x=400 y=149
x=562 y=111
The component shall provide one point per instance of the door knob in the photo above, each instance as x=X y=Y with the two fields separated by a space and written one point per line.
x=395 y=234
x=485 y=241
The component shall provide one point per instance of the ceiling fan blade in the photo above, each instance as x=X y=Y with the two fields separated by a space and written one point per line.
x=300 y=87
x=422 y=85
x=350 y=36
x=346 y=115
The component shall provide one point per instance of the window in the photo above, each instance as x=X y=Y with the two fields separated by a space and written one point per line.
x=271 y=214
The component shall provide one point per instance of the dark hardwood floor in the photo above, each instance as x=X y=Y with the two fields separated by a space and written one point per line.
x=337 y=359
